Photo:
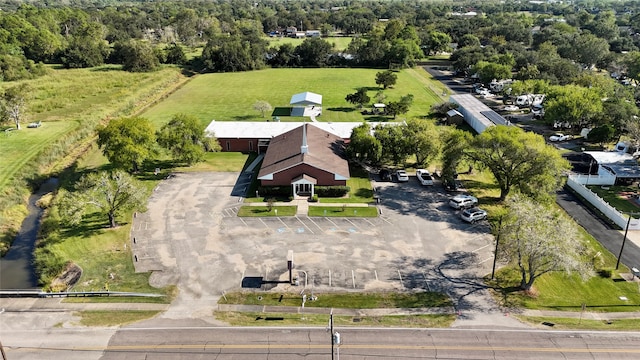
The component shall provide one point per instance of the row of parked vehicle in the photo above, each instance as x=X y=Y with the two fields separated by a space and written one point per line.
x=467 y=203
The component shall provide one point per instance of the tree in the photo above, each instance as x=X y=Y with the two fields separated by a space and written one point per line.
x=127 y=142
x=109 y=192
x=395 y=146
x=364 y=146
x=435 y=42
x=184 y=137
x=359 y=98
x=138 y=56
x=574 y=104
x=518 y=159
x=262 y=106
x=386 y=78
x=488 y=71
x=13 y=103
x=424 y=141
x=539 y=241
x=313 y=52
x=453 y=146
x=174 y=54
x=601 y=134
x=632 y=126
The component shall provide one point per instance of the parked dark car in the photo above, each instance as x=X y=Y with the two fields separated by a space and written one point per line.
x=385 y=175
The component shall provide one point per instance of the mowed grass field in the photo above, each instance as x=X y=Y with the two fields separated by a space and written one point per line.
x=230 y=96
x=65 y=100
x=339 y=43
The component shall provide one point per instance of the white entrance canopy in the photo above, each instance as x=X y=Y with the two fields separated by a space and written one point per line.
x=379 y=106
x=306 y=98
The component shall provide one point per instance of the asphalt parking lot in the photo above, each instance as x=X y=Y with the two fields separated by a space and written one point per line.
x=191 y=236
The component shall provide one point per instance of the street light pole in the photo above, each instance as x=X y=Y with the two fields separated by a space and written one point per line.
x=624 y=240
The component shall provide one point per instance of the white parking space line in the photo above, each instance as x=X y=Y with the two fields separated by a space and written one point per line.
x=305 y=225
x=264 y=223
x=334 y=224
x=370 y=223
x=283 y=223
x=485 y=260
x=314 y=223
x=351 y=222
x=245 y=224
x=480 y=248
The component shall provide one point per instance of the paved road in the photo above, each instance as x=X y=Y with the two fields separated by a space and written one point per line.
x=314 y=343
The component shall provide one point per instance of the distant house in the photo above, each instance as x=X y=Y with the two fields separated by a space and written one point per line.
x=291 y=31
x=303 y=158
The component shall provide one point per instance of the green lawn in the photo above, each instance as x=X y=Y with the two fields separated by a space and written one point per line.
x=360 y=300
x=271 y=319
x=113 y=318
x=230 y=96
x=339 y=43
x=258 y=211
x=360 y=189
x=582 y=324
x=618 y=196
x=339 y=211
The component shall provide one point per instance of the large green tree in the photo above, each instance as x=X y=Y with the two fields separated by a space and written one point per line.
x=539 y=240
x=573 y=104
x=386 y=78
x=518 y=159
x=108 y=192
x=128 y=142
x=364 y=146
x=424 y=140
x=184 y=137
x=139 y=56
x=359 y=98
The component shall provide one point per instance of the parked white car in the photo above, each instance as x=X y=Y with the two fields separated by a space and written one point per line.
x=463 y=201
x=558 y=137
x=472 y=215
x=424 y=177
x=402 y=176
x=511 y=108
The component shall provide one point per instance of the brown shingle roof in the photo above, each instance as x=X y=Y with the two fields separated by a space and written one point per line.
x=325 y=151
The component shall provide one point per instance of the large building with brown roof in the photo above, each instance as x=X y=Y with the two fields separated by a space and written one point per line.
x=303 y=158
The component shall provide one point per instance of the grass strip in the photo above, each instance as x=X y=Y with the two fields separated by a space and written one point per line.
x=343 y=211
x=278 y=319
x=258 y=211
x=114 y=318
x=365 y=300
x=581 y=324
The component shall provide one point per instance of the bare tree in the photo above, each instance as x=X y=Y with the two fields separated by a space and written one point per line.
x=539 y=241
x=262 y=106
x=633 y=130
x=13 y=104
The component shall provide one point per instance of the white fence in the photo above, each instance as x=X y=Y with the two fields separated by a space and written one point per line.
x=576 y=183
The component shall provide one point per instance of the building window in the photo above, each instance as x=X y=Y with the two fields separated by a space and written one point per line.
x=228 y=145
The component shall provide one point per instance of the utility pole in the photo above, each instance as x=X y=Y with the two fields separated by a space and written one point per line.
x=331 y=331
x=624 y=240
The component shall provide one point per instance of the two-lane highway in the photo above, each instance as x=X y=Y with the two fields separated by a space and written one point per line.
x=314 y=343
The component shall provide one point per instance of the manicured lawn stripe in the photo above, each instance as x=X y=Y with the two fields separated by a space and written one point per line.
x=257 y=211
x=339 y=211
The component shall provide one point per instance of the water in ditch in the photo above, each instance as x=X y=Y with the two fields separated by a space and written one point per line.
x=16 y=267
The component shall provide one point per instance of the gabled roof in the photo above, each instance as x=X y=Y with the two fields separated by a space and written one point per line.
x=306 y=98
x=325 y=152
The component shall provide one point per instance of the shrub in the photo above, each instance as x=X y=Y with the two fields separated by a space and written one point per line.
x=281 y=191
x=605 y=273
x=332 y=191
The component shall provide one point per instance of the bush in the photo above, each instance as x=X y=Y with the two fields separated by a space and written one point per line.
x=332 y=191
x=314 y=198
x=605 y=273
x=277 y=191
